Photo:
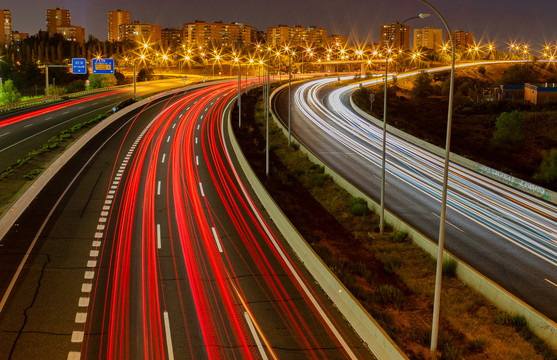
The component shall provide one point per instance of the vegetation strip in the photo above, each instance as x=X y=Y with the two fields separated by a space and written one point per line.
x=389 y=275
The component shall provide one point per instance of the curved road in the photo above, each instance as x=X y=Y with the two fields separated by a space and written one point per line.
x=506 y=235
x=158 y=250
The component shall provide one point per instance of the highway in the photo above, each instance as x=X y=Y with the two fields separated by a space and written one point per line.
x=505 y=234
x=24 y=130
x=150 y=246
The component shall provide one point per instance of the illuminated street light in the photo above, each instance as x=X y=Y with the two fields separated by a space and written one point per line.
x=383 y=157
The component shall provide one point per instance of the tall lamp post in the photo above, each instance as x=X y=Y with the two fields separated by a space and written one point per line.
x=289 y=87
x=441 y=242
x=239 y=92
x=383 y=165
x=266 y=90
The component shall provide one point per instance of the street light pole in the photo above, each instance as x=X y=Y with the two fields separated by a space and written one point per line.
x=239 y=93
x=384 y=145
x=441 y=242
x=289 y=87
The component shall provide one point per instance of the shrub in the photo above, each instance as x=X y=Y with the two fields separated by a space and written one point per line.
x=548 y=168
x=98 y=81
x=509 y=130
x=389 y=295
x=478 y=345
x=399 y=236
x=504 y=318
x=421 y=84
x=318 y=179
x=449 y=267
x=358 y=206
x=294 y=145
x=392 y=264
x=32 y=174
x=451 y=352
x=9 y=93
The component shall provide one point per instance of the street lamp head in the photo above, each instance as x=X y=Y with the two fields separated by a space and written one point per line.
x=423 y=16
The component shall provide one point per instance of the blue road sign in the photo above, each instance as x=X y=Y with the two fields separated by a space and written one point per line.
x=79 y=66
x=103 y=66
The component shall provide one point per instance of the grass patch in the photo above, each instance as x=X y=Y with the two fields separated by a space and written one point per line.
x=358 y=206
x=32 y=174
x=389 y=295
x=449 y=267
x=399 y=236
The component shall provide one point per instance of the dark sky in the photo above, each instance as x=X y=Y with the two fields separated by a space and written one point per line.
x=532 y=21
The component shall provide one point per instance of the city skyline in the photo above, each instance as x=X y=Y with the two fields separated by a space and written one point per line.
x=499 y=21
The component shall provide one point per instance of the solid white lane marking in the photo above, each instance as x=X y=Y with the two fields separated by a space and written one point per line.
x=26 y=126
x=80 y=317
x=551 y=282
x=83 y=302
x=201 y=189
x=77 y=336
x=74 y=355
x=159 y=188
x=255 y=336
x=96 y=243
x=217 y=240
x=89 y=275
x=86 y=288
x=163 y=158
x=168 y=337
x=168 y=140
x=448 y=222
x=159 y=236
x=197 y=160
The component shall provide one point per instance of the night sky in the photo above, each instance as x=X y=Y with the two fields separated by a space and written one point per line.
x=502 y=21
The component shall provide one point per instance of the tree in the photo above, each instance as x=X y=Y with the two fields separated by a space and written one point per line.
x=9 y=93
x=97 y=81
x=421 y=84
x=548 y=168
x=509 y=130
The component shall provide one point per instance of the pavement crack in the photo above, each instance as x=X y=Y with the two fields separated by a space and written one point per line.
x=25 y=312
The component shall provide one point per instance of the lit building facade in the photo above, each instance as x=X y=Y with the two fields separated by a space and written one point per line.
x=462 y=38
x=428 y=38
x=72 y=33
x=57 y=18
x=18 y=37
x=171 y=37
x=297 y=36
x=6 y=31
x=140 y=32
x=337 y=40
x=217 y=34
x=115 y=19
x=400 y=39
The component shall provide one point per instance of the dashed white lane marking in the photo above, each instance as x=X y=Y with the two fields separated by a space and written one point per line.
x=163 y=158
x=98 y=235
x=94 y=253
x=196 y=139
x=201 y=117
x=104 y=213
x=198 y=127
x=201 y=189
x=80 y=317
x=173 y=126
x=217 y=240
x=83 y=302
x=91 y=263
x=197 y=160
x=159 y=236
x=168 y=337
x=180 y=116
x=4 y=134
x=66 y=112
x=86 y=288
x=168 y=139
x=106 y=207
x=26 y=126
x=96 y=243
x=77 y=336
x=255 y=336
x=74 y=355
x=110 y=196
x=159 y=188
x=108 y=201
x=551 y=282
x=48 y=118
x=100 y=227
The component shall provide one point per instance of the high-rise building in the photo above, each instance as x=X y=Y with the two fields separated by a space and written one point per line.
x=18 y=37
x=57 y=18
x=400 y=39
x=428 y=37
x=171 y=37
x=115 y=19
x=462 y=38
x=337 y=40
x=72 y=33
x=201 y=33
x=297 y=36
x=140 y=32
x=6 y=30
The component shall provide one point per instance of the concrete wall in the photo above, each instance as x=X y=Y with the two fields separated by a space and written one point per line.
x=365 y=326
x=544 y=327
